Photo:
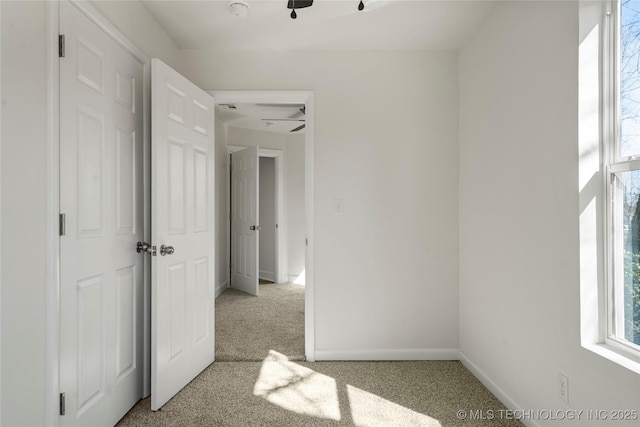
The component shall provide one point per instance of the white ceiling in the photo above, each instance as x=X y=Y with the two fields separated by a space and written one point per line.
x=327 y=25
x=282 y=118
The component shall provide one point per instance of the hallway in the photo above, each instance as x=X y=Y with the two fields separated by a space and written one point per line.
x=248 y=327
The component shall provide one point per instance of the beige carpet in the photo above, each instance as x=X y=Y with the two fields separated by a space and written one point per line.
x=276 y=391
x=247 y=327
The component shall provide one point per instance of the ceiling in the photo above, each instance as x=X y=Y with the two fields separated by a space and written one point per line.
x=327 y=25
x=278 y=118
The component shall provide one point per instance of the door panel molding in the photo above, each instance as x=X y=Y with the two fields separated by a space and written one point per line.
x=183 y=183
x=52 y=238
x=94 y=254
x=245 y=219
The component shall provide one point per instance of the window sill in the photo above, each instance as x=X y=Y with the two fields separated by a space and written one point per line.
x=620 y=356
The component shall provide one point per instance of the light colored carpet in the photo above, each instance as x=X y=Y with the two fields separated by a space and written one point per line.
x=278 y=392
x=269 y=389
x=248 y=327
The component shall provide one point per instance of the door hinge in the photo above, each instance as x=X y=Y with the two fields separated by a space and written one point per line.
x=61 y=45
x=62 y=223
x=63 y=408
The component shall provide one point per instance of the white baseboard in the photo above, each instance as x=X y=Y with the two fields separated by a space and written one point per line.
x=267 y=275
x=221 y=288
x=493 y=388
x=388 y=354
x=425 y=354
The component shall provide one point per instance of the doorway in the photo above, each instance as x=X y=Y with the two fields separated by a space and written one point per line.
x=244 y=209
x=253 y=319
x=267 y=249
x=305 y=98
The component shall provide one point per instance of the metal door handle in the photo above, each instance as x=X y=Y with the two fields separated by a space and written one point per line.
x=255 y=227
x=166 y=250
x=146 y=247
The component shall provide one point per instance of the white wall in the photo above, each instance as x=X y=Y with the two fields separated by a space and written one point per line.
x=256 y=138
x=24 y=201
x=386 y=269
x=294 y=187
x=267 y=221
x=134 y=20
x=24 y=165
x=519 y=215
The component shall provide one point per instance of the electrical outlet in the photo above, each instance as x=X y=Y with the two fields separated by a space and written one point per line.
x=563 y=388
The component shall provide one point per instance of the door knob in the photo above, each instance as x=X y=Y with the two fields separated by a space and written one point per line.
x=166 y=250
x=255 y=227
x=146 y=247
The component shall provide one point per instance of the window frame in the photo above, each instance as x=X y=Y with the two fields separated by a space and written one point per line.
x=612 y=165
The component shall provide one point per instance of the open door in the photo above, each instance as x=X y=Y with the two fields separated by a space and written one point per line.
x=182 y=232
x=244 y=220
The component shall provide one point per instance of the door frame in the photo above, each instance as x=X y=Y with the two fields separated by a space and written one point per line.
x=52 y=238
x=281 y=248
x=305 y=97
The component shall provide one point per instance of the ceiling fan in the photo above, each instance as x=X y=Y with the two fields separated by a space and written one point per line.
x=301 y=4
x=291 y=119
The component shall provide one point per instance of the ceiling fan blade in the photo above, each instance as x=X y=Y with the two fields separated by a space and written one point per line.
x=280 y=105
x=298 y=114
x=297 y=129
x=283 y=120
x=299 y=4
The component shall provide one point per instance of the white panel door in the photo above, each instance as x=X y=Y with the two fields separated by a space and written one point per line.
x=182 y=291
x=101 y=275
x=244 y=220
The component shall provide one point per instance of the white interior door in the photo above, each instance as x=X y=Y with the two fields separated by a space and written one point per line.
x=244 y=220
x=101 y=275
x=182 y=173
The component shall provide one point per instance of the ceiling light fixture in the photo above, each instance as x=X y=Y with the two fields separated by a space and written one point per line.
x=300 y=4
x=239 y=8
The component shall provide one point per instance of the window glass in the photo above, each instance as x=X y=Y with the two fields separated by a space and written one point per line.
x=629 y=78
x=626 y=221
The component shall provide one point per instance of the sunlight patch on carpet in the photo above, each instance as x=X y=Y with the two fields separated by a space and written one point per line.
x=367 y=409
x=304 y=391
x=296 y=388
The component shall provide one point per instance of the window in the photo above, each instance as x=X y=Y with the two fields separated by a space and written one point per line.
x=622 y=165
